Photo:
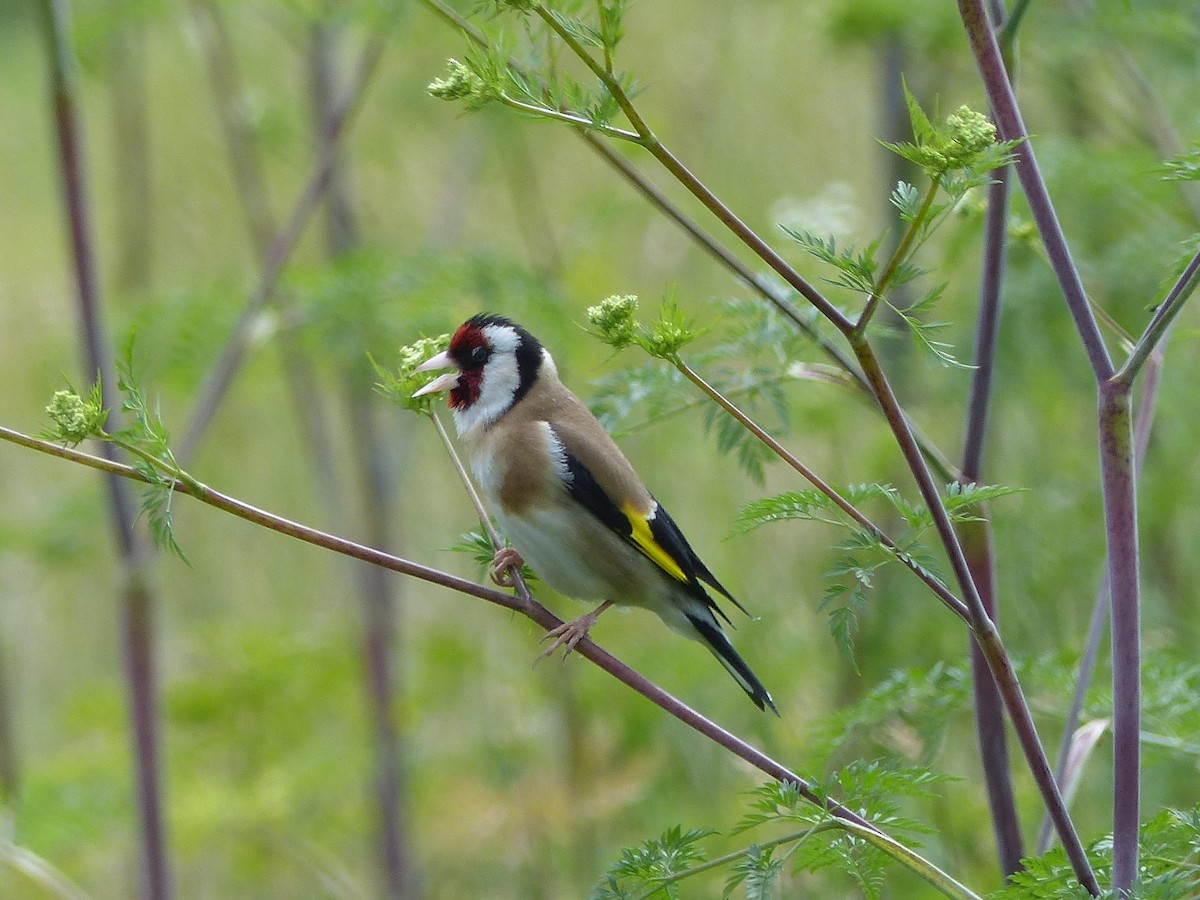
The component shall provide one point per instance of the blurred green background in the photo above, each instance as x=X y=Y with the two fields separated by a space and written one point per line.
x=525 y=781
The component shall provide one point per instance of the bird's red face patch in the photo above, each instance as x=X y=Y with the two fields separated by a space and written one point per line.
x=470 y=350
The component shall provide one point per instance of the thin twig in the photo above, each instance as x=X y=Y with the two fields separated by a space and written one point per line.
x=1161 y=321
x=230 y=360
x=940 y=590
x=898 y=256
x=533 y=610
x=477 y=502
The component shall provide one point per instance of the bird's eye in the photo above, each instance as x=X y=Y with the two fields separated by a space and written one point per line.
x=479 y=355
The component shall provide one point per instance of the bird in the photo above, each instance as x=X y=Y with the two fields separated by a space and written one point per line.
x=567 y=499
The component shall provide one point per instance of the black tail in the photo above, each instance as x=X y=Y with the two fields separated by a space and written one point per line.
x=714 y=638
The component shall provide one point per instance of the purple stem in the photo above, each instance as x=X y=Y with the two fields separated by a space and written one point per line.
x=285 y=241
x=378 y=636
x=977 y=543
x=1144 y=421
x=137 y=601
x=10 y=778
x=1012 y=128
x=1116 y=452
x=1120 y=522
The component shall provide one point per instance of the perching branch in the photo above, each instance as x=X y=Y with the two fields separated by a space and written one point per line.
x=530 y=608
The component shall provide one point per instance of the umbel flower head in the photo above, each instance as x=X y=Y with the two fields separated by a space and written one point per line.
x=460 y=83
x=614 y=320
x=474 y=82
x=968 y=133
x=399 y=385
x=74 y=418
x=966 y=140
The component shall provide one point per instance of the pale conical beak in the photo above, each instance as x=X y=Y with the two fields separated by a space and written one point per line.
x=442 y=382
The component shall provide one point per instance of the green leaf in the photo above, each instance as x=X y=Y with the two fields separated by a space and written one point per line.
x=1169 y=864
x=912 y=707
x=923 y=332
x=907 y=199
x=147 y=439
x=670 y=854
x=844 y=606
x=1182 y=167
x=856 y=268
x=758 y=871
x=479 y=546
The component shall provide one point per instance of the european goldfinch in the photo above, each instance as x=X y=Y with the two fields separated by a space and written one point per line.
x=567 y=498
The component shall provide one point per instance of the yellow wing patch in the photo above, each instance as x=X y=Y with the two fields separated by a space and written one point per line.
x=644 y=540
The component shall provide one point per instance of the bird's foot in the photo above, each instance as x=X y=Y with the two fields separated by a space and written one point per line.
x=571 y=633
x=505 y=565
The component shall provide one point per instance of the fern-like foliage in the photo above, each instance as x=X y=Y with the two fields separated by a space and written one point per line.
x=1169 y=869
x=658 y=861
x=146 y=436
x=1183 y=166
x=478 y=545
x=855 y=269
x=906 y=716
x=853 y=575
x=874 y=789
x=807 y=838
x=757 y=872
x=923 y=332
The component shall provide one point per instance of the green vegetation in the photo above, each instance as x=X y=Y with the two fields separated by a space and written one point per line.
x=277 y=205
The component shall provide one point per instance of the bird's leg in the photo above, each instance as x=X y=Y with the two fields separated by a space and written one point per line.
x=571 y=633
x=505 y=564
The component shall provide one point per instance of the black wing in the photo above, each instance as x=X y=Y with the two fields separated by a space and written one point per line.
x=657 y=538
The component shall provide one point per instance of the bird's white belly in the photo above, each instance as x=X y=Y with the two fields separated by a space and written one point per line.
x=542 y=539
x=590 y=564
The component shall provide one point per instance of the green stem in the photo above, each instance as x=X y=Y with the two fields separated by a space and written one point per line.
x=697 y=188
x=940 y=590
x=898 y=256
x=605 y=38
x=547 y=112
x=610 y=82
x=905 y=856
x=477 y=501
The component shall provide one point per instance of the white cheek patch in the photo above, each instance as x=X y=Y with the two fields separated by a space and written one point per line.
x=499 y=385
x=496 y=392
